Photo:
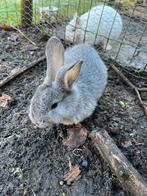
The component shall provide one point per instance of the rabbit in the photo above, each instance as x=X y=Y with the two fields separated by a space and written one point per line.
x=75 y=80
x=95 y=27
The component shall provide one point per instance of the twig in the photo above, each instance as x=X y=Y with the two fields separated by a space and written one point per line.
x=33 y=192
x=69 y=164
x=142 y=89
x=128 y=176
x=20 y=71
x=23 y=35
x=132 y=86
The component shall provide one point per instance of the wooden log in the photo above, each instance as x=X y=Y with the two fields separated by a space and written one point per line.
x=26 y=12
x=128 y=176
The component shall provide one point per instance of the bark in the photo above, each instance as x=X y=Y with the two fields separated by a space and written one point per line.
x=128 y=176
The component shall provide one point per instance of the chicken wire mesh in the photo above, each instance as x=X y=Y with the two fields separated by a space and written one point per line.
x=51 y=17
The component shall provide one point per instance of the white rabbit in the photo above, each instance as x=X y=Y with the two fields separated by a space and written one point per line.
x=74 y=82
x=95 y=26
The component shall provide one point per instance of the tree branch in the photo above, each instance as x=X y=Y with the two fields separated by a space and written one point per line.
x=128 y=176
x=20 y=71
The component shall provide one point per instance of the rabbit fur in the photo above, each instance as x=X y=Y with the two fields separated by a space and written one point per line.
x=74 y=82
x=95 y=26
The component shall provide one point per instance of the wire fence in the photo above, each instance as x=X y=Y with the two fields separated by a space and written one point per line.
x=51 y=17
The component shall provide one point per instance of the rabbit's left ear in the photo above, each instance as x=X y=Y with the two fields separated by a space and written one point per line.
x=55 y=57
x=72 y=74
x=77 y=20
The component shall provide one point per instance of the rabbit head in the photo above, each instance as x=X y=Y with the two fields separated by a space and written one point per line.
x=46 y=103
x=73 y=31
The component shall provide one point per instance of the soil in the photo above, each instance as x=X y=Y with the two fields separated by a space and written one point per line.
x=33 y=161
x=16 y=51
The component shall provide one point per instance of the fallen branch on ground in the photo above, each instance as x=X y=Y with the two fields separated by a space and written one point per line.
x=128 y=176
x=20 y=71
x=132 y=86
x=23 y=35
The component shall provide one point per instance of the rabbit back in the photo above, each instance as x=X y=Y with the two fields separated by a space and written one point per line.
x=93 y=76
x=75 y=80
x=104 y=21
x=96 y=25
x=91 y=82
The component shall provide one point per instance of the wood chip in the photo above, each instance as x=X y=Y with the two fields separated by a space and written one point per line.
x=127 y=144
x=5 y=100
x=72 y=175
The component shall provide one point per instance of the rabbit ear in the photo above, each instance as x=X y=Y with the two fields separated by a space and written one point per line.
x=72 y=74
x=55 y=57
x=77 y=20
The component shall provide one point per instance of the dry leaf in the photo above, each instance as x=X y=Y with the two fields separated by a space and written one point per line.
x=5 y=26
x=72 y=175
x=5 y=100
x=76 y=137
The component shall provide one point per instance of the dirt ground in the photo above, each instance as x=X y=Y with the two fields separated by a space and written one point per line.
x=33 y=161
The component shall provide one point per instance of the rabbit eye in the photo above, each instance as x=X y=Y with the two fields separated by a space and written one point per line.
x=54 y=106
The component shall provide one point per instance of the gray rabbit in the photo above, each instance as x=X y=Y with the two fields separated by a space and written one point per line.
x=74 y=82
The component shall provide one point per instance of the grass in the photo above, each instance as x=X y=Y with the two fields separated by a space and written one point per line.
x=10 y=9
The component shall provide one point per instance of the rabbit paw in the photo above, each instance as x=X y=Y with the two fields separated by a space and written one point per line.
x=76 y=136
